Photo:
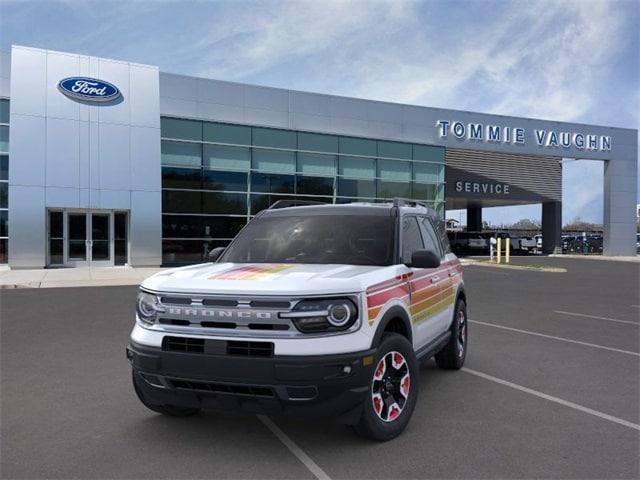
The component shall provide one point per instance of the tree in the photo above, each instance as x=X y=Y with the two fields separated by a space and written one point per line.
x=526 y=224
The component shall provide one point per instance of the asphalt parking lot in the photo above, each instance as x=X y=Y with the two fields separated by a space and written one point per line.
x=550 y=389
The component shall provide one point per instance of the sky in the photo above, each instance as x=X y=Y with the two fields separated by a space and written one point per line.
x=558 y=60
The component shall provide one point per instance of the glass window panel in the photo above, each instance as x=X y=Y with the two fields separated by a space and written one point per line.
x=271 y=137
x=227 y=158
x=357 y=167
x=394 y=150
x=55 y=225
x=395 y=171
x=411 y=238
x=4 y=195
x=4 y=223
x=56 y=252
x=215 y=202
x=4 y=111
x=120 y=243
x=181 y=252
x=271 y=183
x=429 y=236
x=4 y=167
x=314 y=185
x=224 y=133
x=358 y=146
x=393 y=189
x=178 y=128
x=427 y=172
x=274 y=161
x=77 y=226
x=176 y=201
x=182 y=226
x=217 y=180
x=4 y=139
x=182 y=178
x=440 y=192
x=356 y=188
x=317 y=164
x=222 y=227
x=424 y=191
x=180 y=153
x=317 y=143
x=262 y=202
x=428 y=153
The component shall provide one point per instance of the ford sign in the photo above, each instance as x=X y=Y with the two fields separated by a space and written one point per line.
x=89 y=89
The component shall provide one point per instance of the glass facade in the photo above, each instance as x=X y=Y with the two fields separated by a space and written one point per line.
x=4 y=180
x=216 y=176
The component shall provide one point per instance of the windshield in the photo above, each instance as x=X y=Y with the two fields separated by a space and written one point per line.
x=343 y=239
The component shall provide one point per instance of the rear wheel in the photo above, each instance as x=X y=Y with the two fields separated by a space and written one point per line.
x=170 y=410
x=452 y=356
x=393 y=390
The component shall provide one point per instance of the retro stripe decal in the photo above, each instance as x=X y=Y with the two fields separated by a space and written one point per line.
x=416 y=291
x=252 y=272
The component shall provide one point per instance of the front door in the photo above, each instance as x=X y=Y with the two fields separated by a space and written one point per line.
x=100 y=244
x=87 y=238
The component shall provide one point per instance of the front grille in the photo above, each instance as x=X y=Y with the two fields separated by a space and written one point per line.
x=250 y=349
x=183 y=344
x=250 y=390
x=217 y=347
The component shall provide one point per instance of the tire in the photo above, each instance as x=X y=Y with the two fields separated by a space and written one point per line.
x=396 y=377
x=453 y=354
x=169 y=410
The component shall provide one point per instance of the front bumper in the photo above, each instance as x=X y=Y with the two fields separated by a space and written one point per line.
x=327 y=385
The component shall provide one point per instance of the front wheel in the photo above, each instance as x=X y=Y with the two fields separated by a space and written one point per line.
x=452 y=356
x=393 y=390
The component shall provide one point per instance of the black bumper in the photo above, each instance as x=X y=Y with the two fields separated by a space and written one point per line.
x=327 y=385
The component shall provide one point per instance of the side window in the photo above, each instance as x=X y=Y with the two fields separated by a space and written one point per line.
x=441 y=230
x=431 y=241
x=411 y=238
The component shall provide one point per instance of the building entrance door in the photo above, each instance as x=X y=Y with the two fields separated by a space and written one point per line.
x=87 y=238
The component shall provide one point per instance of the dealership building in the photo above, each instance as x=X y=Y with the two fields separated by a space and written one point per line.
x=107 y=162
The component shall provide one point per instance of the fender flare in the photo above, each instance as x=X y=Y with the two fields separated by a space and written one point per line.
x=394 y=312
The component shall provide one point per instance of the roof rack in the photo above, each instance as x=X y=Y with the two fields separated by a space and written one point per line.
x=407 y=202
x=294 y=203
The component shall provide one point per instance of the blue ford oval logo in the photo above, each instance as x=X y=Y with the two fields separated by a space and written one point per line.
x=89 y=89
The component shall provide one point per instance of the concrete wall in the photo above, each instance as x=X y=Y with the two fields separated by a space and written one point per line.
x=70 y=154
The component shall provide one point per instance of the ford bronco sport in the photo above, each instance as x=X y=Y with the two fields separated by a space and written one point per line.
x=314 y=309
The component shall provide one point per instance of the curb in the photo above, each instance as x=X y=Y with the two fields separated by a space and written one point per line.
x=480 y=263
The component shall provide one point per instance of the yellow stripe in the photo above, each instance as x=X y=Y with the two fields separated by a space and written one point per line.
x=422 y=315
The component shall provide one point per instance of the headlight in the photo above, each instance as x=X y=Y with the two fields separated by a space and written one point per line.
x=147 y=307
x=323 y=315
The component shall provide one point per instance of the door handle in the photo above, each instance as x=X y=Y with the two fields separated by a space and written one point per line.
x=435 y=279
x=453 y=274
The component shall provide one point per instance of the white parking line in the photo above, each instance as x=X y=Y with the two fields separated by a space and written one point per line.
x=608 y=319
x=560 y=401
x=295 y=449
x=563 y=339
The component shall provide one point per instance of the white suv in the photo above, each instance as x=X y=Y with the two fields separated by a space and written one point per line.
x=311 y=310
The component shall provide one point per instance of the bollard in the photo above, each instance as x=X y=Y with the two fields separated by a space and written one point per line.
x=499 y=249
x=507 y=249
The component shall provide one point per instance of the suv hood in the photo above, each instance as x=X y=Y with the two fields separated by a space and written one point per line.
x=264 y=279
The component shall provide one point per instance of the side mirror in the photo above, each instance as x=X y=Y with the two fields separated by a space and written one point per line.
x=215 y=253
x=424 y=259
